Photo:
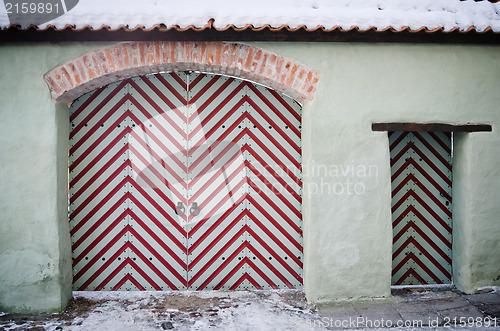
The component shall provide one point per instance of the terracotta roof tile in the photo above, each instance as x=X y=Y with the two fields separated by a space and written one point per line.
x=275 y=15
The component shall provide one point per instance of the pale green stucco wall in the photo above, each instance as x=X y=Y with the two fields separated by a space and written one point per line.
x=347 y=236
x=35 y=253
x=476 y=224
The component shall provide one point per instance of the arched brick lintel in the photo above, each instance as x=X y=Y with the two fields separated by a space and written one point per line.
x=117 y=62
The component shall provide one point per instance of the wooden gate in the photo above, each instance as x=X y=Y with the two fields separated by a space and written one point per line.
x=185 y=180
x=421 y=207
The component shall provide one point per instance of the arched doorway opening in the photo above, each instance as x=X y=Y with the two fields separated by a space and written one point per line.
x=185 y=180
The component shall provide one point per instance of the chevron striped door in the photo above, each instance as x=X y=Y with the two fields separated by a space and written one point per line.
x=244 y=174
x=185 y=181
x=421 y=207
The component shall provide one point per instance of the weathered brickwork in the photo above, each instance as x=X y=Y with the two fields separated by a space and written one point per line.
x=113 y=63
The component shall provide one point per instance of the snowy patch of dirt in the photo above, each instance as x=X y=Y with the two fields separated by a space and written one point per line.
x=241 y=310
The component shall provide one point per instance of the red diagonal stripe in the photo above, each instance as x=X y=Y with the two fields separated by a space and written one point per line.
x=242 y=279
x=101 y=203
x=275 y=255
x=222 y=266
x=282 y=101
x=212 y=212
x=400 y=154
x=420 y=263
x=167 y=215
x=153 y=104
x=155 y=155
x=430 y=226
x=275 y=110
x=231 y=273
x=115 y=206
x=128 y=261
x=176 y=225
x=407 y=274
x=220 y=105
x=412 y=209
x=225 y=184
x=101 y=137
x=164 y=115
x=205 y=87
x=438 y=155
x=412 y=224
x=274 y=239
x=160 y=242
x=276 y=192
x=424 y=190
x=179 y=80
x=398 y=172
x=278 y=162
x=429 y=256
x=271 y=268
x=264 y=276
x=167 y=136
x=172 y=90
x=276 y=223
x=213 y=160
x=215 y=209
x=401 y=216
x=217 y=253
x=105 y=183
x=218 y=125
x=99 y=156
x=432 y=212
x=276 y=144
x=441 y=143
x=160 y=191
x=210 y=181
x=433 y=198
x=112 y=274
x=114 y=257
x=87 y=102
x=131 y=279
x=430 y=164
x=164 y=197
x=274 y=206
x=151 y=266
x=99 y=238
x=403 y=199
x=424 y=205
x=195 y=81
x=398 y=141
x=274 y=126
x=223 y=231
x=148 y=184
x=412 y=162
x=98 y=255
x=270 y=169
x=98 y=108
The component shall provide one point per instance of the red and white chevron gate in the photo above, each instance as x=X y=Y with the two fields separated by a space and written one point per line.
x=421 y=207
x=185 y=181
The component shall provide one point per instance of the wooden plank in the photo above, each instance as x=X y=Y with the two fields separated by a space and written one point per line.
x=441 y=127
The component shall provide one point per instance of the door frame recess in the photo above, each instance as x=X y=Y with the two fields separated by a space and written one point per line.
x=436 y=127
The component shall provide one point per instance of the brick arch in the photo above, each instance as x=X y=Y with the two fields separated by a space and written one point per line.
x=117 y=62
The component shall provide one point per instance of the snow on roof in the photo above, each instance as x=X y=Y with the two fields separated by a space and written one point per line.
x=446 y=15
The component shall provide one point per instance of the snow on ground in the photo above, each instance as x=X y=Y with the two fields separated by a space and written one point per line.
x=217 y=310
x=214 y=310
x=241 y=310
